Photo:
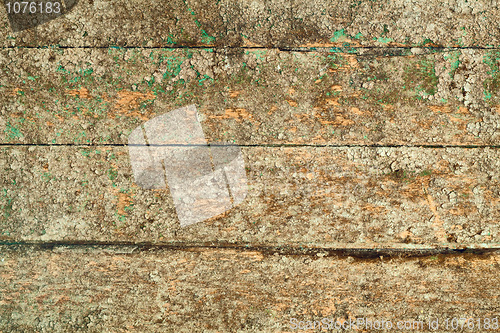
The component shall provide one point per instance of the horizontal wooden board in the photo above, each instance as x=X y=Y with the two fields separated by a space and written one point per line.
x=257 y=97
x=100 y=290
x=311 y=196
x=98 y=23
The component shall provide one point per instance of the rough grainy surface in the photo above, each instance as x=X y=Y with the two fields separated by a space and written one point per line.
x=367 y=127
x=455 y=23
x=357 y=197
x=400 y=96
x=106 y=290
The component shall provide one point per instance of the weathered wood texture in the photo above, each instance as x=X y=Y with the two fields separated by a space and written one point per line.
x=456 y=23
x=311 y=196
x=92 y=290
x=253 y=97
x=285 y=80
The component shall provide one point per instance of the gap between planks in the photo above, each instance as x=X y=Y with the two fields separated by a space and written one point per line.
x=284 y=49
x=320 y=252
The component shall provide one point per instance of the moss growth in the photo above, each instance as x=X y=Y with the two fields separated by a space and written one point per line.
x=408 y=176
x=421 y=77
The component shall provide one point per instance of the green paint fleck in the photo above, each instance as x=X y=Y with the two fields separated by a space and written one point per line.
x=112 y=174
x=12 y=132
x=338 y=35
x=205 y=38
x=383 y=40
x=358 y=35
x=204 y=78
x=427 y=41
x=170 y=39
x=46 y=176
x=260 y=54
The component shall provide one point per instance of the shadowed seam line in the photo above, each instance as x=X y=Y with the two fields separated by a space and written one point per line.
x=360 y=253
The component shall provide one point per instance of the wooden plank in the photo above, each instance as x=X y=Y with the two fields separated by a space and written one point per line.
x=253 y=97
x=98 y=23
x=96 y=290
x=310 y=196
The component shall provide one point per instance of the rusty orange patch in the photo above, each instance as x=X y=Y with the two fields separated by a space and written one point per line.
x=15 y=91
x=237 y=113
x=124 y=200
x=357 y=111
x=333 y=101
x=234 y=93
x=438 y=108
x=272 y=109
x=81 y=93
x=129 y=100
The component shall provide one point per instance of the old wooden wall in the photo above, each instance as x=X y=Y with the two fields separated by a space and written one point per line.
x=370 y=136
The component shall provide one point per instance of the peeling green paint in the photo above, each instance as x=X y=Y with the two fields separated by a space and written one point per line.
x=12 y=132
x=487 y=95
x=383 y=39
x=338 y=35
x=204 y=78
x=173 y=66
x=492 y=84
x=205 y=38
x=427 y=41
x=455 y=62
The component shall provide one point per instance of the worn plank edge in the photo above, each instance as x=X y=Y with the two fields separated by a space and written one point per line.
x=394 y=250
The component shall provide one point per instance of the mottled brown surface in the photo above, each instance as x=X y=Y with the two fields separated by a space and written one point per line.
x=354 y=197
x=368 y=129
x=455 y=23
x=97 y=96
x=204 y=290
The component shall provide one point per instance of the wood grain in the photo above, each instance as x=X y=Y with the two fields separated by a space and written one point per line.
x=174 y=23
x=105 y=289
x=322 y=196
x=256 y=97
x=366 y=127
